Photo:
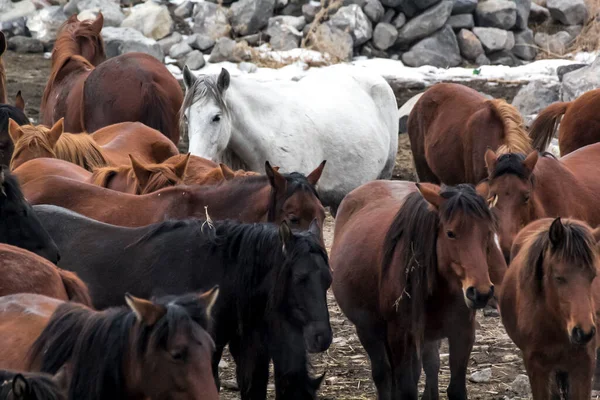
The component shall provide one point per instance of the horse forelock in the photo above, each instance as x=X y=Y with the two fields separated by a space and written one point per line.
x=34 y=139
x=296 y=183
x=161 y=176
x=465 y=200
x=204 y=88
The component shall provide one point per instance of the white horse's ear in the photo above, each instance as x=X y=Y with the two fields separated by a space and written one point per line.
x=188 y=77
x=223 y=80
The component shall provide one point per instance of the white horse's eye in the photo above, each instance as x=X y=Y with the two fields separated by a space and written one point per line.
x=216 y=118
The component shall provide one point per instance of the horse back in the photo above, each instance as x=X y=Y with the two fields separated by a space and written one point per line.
x=64 y=101
x=580 y=124
x=38 y=167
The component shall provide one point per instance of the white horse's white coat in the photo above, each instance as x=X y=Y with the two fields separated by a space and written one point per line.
x=340 y=114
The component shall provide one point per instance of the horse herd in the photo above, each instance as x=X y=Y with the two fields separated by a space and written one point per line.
x=127 y=268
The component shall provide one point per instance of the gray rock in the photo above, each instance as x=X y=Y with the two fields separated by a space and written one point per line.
x=353 y=20
x=371 y=52
x=470 y=47
x=483 y=376
x=111 y=10
x=211 y=20
x=127 y=40
x=494 y=39
x=247 y=67
x=384 y=36
x=538 y=14
x=482 y=60
x=360 y=3
x=440 y=50
x=565 y=69
x=425 y=24
x=297 y=23
x=399 y=21
x=22 y=44
x=374 y=10
x=332 y=40
x=388 y=17
x=224 y=50
x=464 y=6
x=170 y=41
x=184 y=10
x=568 y=12
x=45 y=25
x=294 y=8
x=576 y=83
x=418 y=5
x=500 y=14
x=573 y=30
x=200 y=42
x=310 y=10
x=521 y=386
x=535 y=96
x=503 y=57
x=257 y=39
x=391 y=3
x=556 y=44
x=284 y=32
x=15 y=27
x=250 y=16
x=461 y=21
x=150 y=18
x=525 y=47
x=179 y=50
x=12 y=11
x=523 y=10
x=195 y=60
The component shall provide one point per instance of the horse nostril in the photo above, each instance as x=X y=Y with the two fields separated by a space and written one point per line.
x=471 y=294
x=578 y=336
x=491 y=293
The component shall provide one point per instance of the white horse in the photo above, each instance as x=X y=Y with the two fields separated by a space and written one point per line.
x=339 y=114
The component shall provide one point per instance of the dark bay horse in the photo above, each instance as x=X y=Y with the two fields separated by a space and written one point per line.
x=450 y=128
x=525 y=188
x=25 y=272
x=411 y=264
x=578 y=125
x=549 y=302
x=273 y=285
x=33 y=386
x=3 y=47
x=9 y=112
x=91 y=93
x=274 y=198
x=19 y=226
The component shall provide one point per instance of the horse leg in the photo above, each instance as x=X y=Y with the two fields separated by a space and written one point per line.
x=431 y=366
x=580 y=378
x=460 y=342
x=539 y=377
x=381 y=370
x=215 y=364
x=424 y=172
x=405 y=362
x=252 y=365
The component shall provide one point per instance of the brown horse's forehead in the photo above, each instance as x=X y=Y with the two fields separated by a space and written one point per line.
x=306 y=203
x=509 y=182
x=461 y=220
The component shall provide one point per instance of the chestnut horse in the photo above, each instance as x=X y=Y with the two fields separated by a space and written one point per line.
x=110 y=145
x=91 y=93
x=25 y=272
x=33 y=386
x=578 y=126
x=549 y=301
x=525 y=188
x=273 y=198
x=17 y=114
x=151 y=349
x=38 y=167
x=450 y=128
x=411 y=264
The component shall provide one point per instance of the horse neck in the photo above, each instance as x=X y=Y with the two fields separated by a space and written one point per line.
x=67 y=67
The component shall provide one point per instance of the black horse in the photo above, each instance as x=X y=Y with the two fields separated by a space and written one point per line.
x=33 y=386
x=19 y=226
x=16 y=114
x=273 y=282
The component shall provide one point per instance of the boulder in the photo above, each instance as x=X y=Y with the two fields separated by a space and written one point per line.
x=310 y=10
x=353 y=20
x=200 y=42
x=482 y=60
x=538 y=14
x=523 y=10
x=508 y=59
x=371 y=52
x=494 y=39
x=391 y=3
x=388 y=16
x=525 y=47
x=425 y=24
x=285 y=32
x=399 y=21
x=573 y=30
x=22 y=44
x=184 y=10
x=413 y=7
x=556 y=44
x=44 y=25
x=501 y=14
x=384 y=36
x=374 y=10
x=334 y=41
x=520 y=386
x=15 y=27
x=224 y=50
x=483 y=376
x=257 y=39
x=180 y=50
x=250 y=16
x=470 y=47
x=195 y=60
x=22 y=9
x=150 y=18
x=461 y=21
x=297 y=23
x=127 y=40
x=440 y=50
x=576 y=83
x=211 y=20
x=568 y=12
x=247 y=67
x=535 y=96
x=565 y=69
x=111 y=10
x=293 y=8
x=464 y=6
x=170 y=41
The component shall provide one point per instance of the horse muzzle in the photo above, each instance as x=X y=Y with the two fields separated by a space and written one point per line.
x=477 y=300
x=580 y=337
x=317 y=337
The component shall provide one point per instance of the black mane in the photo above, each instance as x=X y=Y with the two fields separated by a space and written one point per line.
x=11 y=186
x=41 y=386
x=512 y=164
x=11 y=112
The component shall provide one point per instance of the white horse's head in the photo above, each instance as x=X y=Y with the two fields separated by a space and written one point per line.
x=205 y=115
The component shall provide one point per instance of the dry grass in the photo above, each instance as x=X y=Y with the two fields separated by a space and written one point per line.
x=589 y=38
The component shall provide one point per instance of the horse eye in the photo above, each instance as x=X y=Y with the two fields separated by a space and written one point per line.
x=216 y=118
x=526 y=200
x=179 y=355
x=294 y=220
x=560 y=280
x=451 y=235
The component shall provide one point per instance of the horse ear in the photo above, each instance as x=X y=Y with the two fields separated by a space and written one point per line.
x=223 y=80
x=140 y=171
x=55 y=132
x=314 y=176
x=3 y=44
x=556 y=233
x=490 y=161
x=530 y=161
x=62 y=378
x=98 y=23
x=314 y=228
x=188 y=78
x=209 y=299
x=285 y=234
x=14 y=130
x=430 y=195
x=595 y=233
x=228 y=173
x=20 y=387
x=181 y=167
x=20 y=102
x=145 y=311
x=483 y=189
x=277 y=180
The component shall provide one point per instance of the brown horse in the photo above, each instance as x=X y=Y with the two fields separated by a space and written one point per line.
x=151 y=349
x=3 y=47
x=34 y=386
x=578 y=126
x=549 y=301
x=525 y=188
x=450 y=128
x=7 y=112
x=38 y=167
x=108 y=146
x=91 y=93
x=411 y=263
x=25 y=272
x=274 y=198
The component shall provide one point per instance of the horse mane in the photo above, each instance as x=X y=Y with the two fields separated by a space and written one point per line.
x=412 y=236
x=97 y=343
x=512 y=164
x=102 y=175
x=80 y=149
x=161 y=176
x=7 y=111
x=578 y=248
x=33 y=137
x=41 y=385
x=10 y=186
x=516 y=138
x=296 y=182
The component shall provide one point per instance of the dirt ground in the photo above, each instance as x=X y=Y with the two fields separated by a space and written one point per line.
x=345 y=363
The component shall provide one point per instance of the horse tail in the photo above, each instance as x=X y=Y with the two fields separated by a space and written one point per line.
x=76 y=289
x=516 y=139
x=157 y=112
x=543 y=128
x=80 y=149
